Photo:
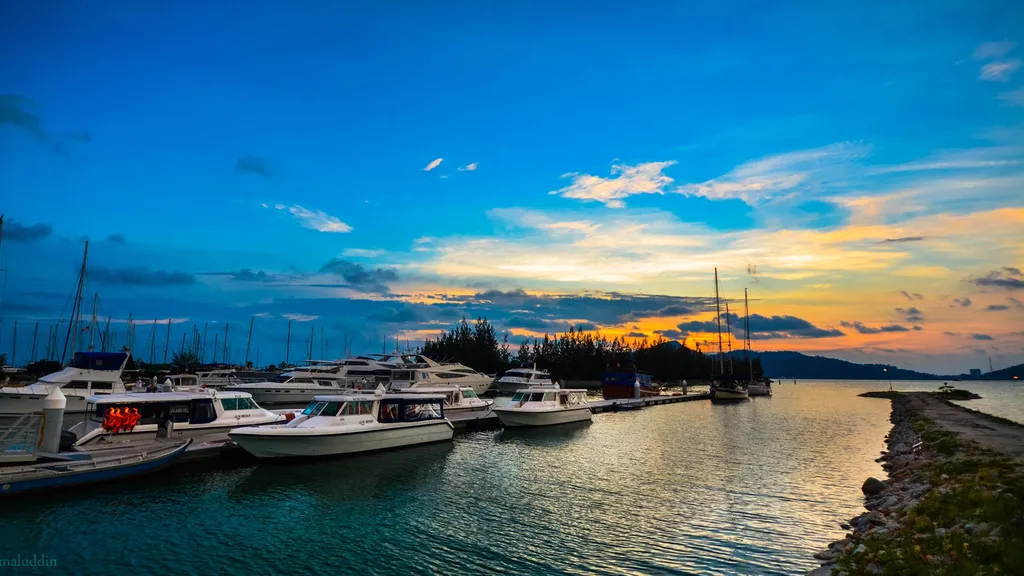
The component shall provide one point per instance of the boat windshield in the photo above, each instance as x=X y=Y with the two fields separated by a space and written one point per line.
x=469 y=393
x=360 y=407
x=518 y=396
x=322 y=409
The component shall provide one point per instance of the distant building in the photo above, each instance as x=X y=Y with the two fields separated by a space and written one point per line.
x=975 y=372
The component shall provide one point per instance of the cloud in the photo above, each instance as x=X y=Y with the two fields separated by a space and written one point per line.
x=315 y=219
x=301 y=317
x=600 y=307
x=862 y=329
x=636 y=335
x=999 y=71
x=1008 y=277
x=909 y=296
x=433 y=164
x=118 y=239
x=764 y=327
x=903 y=240
x=996 y=308
x=1016 y=302
x=468 y=167
x=672 y=334
x=363 y=253
x=15 y=232
x=764 y=179
x=964 y=302
x=13 y=112
x=993 y=50
x=393 y=315
x=917 y=328
x=1013 y=97
x=981 y=337
x=361 y=278
x=912 y=314
x=247 y=275
x=253 y=165
x=624 y=182
x=140 y=276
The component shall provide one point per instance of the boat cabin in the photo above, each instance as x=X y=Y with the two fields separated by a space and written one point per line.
x=153 y=408
x=385 y=408
x=453 y=396
x=619 y=385
x=555 y=397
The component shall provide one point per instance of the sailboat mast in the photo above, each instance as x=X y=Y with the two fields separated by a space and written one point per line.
x=76 y=308
x=718 y=320
x=225 y=356
x=248 y=341
x=746 y=333
x=35 y=335
x=216 y=336
x=202 y=357
x=728 y=327
x=312 y=340
x=167 y=341
x=152 y=344
x=288 y=342
x=92 y=322
x=14 y=346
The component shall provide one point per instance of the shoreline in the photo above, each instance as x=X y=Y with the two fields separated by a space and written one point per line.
x=954 y=500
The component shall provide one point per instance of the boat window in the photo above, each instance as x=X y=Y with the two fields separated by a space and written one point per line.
x=422 y=412
x=102 y=385
x=401 y=375
x=330 y=409
x=180 y=412
x=314 y=408
x=537 y=397
x=229 y=403
x=451 y=375
x=302 y=381
x=389 y=412
x=517 y=397
x=549 y=396
x=562 y=399
x=356 y=363
x=469 y=393
x=354 y=408
x=325 y=382
x=246 y=404
x=203 y=412
x=77 y=385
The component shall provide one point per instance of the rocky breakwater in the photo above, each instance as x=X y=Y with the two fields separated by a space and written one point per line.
x=948 y=507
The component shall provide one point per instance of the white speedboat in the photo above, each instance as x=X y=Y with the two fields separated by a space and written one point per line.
x=431 y=374
x=351 y=424
x=456 y=400
x=519 y=378
x=119 y=418
x=88 y=374
x=297 y=386
x=544 y=406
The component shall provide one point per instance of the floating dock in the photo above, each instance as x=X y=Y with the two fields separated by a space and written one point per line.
x=598 y=406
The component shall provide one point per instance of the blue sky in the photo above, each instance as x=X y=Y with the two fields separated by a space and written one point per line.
x=588 y=148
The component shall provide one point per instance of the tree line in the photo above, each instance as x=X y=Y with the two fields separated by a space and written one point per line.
x=576 y=354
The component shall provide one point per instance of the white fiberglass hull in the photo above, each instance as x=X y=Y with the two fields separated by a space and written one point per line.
x=146 y=432
x=515 y=418
x=307 y=443
x=18 y=401
x=759 y=390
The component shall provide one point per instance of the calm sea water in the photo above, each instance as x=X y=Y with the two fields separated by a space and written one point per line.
x=689 y=488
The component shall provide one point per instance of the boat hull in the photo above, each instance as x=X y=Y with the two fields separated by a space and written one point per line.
x=728 y=395
x=147 y=432
x=759 y=390
x=51 y=477
x=512 y=418
x=271 y=445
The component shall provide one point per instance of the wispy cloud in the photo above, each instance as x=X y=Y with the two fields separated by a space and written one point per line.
x=864 y=329
x=903 y=240
x=992 y=50
x=769 y=177
x=433 y=164
x=1013 y=98
x=999 y=71
x=1007 y=277
x=301 y=317
x=625 y=181
x=140 y=276
x=363 y=253
x=314 y=219
x=16 y=232
x=361 y=278
x=468 y=167
x=911 y=296
x=951 y=165
x=964 y=302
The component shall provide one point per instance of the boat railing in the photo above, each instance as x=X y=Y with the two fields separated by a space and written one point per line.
x=18 y=439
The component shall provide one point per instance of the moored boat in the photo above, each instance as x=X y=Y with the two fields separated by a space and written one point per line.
x=428 y=374
x=88 y=374
x=761 y=388
x=519 y=378
x=350 y=424
x=126 y=418
x=544 y=406
x=87 y=470
x=456 y=400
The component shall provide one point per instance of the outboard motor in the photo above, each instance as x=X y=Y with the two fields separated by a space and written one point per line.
x=67 y=440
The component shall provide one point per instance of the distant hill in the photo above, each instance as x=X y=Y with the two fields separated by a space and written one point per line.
x=1006 y=373
x=802 y=366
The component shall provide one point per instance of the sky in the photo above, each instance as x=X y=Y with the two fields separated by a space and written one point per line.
x=377 y=172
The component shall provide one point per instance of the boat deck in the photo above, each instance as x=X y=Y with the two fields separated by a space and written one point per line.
x=598 y=406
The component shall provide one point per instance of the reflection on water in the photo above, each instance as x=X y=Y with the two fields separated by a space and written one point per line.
x=690 y=488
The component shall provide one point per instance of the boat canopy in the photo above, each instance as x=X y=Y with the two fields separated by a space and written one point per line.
x=99 y=360
x=153 y=397
x=367 y=396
